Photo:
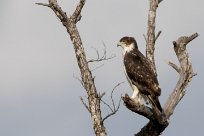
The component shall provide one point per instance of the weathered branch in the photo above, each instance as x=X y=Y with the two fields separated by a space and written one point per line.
x=151 y=39
x=137 y=108
x=147 y=112
x=76 y=16
x=87 y=78
x=185 y=71
x=174 y=66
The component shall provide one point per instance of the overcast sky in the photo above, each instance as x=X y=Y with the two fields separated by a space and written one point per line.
x=39 y=92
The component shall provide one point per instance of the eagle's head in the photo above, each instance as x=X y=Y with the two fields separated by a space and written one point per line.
x=128 y=43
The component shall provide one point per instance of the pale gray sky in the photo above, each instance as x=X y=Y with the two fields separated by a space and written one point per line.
x=39 y=95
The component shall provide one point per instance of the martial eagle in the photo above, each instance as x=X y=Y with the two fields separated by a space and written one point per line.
x=140 y=74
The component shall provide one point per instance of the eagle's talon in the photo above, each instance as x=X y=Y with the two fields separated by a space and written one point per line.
x=138 y=102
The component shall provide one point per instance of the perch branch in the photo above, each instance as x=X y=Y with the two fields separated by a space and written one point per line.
x=147 y=112
x=137 y=108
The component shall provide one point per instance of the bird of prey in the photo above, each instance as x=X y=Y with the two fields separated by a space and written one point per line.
x=140 y=74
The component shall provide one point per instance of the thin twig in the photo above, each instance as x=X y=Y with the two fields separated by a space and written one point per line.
x=192 y=37
x=85 y=105
x=113 y=109
x=145 y=38
x=43 y=4
x=113 y=91
x=97 y=67
x=113 y=112
x=174 y=66
x=79 y=79
x=103 y=57
x=157 y=36
x=101 y=95
x=107 y=105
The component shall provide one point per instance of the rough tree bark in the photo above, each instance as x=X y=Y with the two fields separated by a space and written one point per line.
x=157 y=123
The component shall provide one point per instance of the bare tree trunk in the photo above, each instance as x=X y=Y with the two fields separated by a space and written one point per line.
x=87 y=79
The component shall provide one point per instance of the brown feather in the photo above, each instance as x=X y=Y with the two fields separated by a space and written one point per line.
x=139 y=70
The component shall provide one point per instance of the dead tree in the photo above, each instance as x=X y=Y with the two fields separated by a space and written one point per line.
x=157 y=123
x=87 y=80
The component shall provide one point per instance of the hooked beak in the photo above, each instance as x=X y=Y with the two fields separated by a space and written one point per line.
x=119 y=44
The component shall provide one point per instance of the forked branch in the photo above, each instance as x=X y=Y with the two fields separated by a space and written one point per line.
x=113 y=108
x=185 y=71
x=104 y=56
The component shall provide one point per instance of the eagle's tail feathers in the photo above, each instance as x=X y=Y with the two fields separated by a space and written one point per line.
x=155 y=102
